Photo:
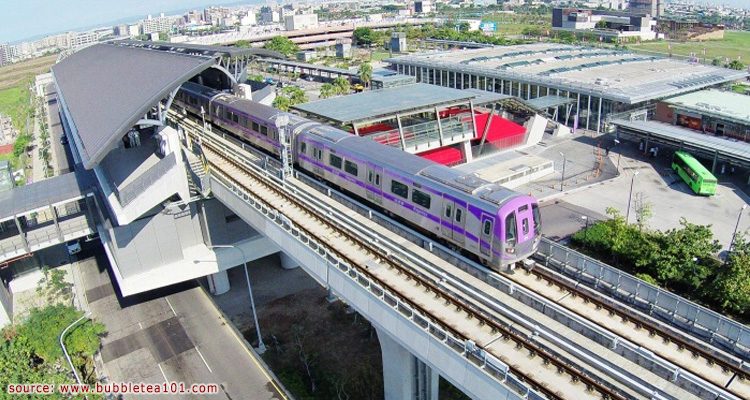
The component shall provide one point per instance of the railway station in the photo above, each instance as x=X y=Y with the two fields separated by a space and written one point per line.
x=599 y=82
x=181 y=195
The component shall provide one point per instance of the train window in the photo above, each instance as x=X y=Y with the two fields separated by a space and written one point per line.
x=256 y=127
x=317 y=153
x=236 y=118
x=377 y=180
x=487 y=227
x=448 y=211
x=370 y=177
x=523 y=208
x=243 y=121
x=264 y=130
x=228 y=115
x=525 y=226
x=303 y=148
x=399 y=189
x=420 y=198
x=334 y=161
x=351 y=167
x=459 y=214
x=510 y=228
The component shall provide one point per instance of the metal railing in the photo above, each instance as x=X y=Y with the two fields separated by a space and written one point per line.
x=418 y=136
x=139 y=185
x=657 y=302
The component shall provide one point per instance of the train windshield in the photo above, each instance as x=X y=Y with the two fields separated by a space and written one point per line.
x=510 y=228
x=537 y=220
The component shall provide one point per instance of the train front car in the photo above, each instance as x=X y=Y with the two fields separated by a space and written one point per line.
x=520 y=230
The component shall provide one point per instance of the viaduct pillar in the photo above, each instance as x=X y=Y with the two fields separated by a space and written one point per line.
x=218 y=283
x=405 y=377
x=287 y=262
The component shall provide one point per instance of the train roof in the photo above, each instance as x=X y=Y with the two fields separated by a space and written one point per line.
x=387 y=155
x=468 y=183
x=257 y=110
x=201 y=90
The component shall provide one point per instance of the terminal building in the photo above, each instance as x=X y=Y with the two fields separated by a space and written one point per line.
x=712 y=112
x=604 y=24
x=597 y=82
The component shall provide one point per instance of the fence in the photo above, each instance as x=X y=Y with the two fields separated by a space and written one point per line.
x=657 y=302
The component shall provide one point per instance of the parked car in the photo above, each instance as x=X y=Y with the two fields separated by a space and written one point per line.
x=63 y=140
x=73 y=246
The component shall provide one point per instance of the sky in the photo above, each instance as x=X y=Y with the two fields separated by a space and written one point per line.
x=23 y=19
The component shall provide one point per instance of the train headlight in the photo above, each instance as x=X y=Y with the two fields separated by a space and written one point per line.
x=510 y=250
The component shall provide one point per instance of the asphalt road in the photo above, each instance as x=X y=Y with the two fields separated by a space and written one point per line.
x=174 y=334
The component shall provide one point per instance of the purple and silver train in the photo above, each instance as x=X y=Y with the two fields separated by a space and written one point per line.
x=497 y=225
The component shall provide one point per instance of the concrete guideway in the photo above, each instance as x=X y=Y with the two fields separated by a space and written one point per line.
x=382 y=269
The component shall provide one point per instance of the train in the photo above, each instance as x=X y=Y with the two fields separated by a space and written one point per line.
x=498 y=226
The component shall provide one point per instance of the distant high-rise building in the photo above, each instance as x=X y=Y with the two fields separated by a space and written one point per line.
x=158 y=24
x=4 y=54
x=268 y=15
x=300 y=21
x=655 y=8
x=422 y=7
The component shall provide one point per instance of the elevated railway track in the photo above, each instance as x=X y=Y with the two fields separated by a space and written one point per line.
x=573 y=358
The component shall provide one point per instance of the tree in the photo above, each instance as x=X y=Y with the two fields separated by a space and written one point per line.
x=164 y=36
x=364 y=36
x=54 y=286
x=327 y=90
x=736 y=64
x=242 y=43
x=464 y=26
x=289 y=96
x=685 y=255
x=19 y=146
x=365 y=73
x=601 y=24
x=716 y=62
x=281 y=102
x=731 y=287
x=342 y=85
x=282 y=44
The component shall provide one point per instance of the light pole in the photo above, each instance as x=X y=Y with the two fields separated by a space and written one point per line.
x=630 y=197
x=562 y=177
x=65 y=351
x=261 y=347
x=736 y=226
x=619 y=154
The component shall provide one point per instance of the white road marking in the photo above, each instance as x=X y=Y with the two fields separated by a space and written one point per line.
x=170 y=306
x=162 y=373
x=204 y=359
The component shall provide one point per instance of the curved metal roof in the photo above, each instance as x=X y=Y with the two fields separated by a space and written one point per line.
x=105 y=89
x=201 y=49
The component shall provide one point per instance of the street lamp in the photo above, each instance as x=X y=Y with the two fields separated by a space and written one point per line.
x=630 y=197
x=619 y=154
x=261 y=347
x=736 y=226
x=562 y=177
x=586 y=229
x=65 y=351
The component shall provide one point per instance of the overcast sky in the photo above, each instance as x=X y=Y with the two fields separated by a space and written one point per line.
x=22 y=19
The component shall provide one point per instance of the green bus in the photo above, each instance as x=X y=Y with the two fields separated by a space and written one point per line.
x=700 y=180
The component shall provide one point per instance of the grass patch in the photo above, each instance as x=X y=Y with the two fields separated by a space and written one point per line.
x=379 y=55
x=15 y=102
x=735 y=44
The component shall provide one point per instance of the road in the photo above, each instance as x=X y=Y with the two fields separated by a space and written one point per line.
x=175 y=334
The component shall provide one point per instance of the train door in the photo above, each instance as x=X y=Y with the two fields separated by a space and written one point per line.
x=453 y=220
x=375 y=184
x=485 y=237
x=446 y=218
x=459 y=221
x=525 y=221
x=317 y=156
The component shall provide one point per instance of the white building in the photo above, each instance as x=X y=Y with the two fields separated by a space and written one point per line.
x=300 y=21
x=158 y=24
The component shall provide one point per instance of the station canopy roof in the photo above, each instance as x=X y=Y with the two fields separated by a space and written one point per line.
x=202 y=49
x=61 y=188
x=376 y=104
x=106 y=88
